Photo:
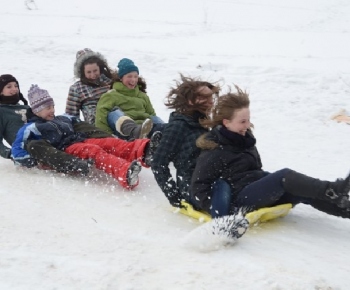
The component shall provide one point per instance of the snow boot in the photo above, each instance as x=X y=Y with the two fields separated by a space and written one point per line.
x=336 y=192
x=151 y=147
x=81 y=167
x=128 y=127
x=132 y=175
x=230 y=226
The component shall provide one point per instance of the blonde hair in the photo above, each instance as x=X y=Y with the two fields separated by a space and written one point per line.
x=226 y=105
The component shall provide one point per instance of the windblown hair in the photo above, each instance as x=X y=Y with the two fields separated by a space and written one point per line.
x=104 y=69
x=182 y=98
x=226 y=106
x=141 y=83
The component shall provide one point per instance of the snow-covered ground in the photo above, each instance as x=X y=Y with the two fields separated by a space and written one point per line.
x=61 y=232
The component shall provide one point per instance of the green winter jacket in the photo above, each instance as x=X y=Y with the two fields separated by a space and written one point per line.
x=134 y=103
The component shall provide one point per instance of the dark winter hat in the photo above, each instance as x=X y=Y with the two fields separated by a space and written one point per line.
x=82 y=56
x=126 y=66
x=39 y=99
x=4 y=80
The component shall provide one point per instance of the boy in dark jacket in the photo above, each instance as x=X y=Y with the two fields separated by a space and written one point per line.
x=119 y=158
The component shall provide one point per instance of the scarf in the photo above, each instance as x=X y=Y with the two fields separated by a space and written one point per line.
x=9 y=100
x=239 y=140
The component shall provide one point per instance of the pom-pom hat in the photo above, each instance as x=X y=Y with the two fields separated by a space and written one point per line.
x=39 y=99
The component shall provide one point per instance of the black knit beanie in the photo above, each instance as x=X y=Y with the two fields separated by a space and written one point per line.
x=4 y=80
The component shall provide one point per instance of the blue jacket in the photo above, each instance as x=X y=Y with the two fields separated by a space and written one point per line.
x=59 y=132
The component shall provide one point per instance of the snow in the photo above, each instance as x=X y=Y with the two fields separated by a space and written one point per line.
x=62 y=232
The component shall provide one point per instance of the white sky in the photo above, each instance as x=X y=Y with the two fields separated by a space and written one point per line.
x=60 y=232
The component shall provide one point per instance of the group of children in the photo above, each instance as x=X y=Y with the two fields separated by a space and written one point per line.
x=211 y=145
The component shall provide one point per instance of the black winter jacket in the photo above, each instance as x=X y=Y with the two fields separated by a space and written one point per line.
x=178 y=145
x=12 y=118
x=223 y=158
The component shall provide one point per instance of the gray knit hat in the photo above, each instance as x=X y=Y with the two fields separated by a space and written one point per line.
x=82 y=56
x=39 y=99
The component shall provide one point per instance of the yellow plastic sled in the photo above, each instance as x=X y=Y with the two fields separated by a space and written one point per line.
x=261 y=215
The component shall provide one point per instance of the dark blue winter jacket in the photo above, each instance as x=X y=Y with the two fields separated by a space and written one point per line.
x=59 y=132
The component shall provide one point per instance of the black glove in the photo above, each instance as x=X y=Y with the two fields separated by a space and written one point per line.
x=8 y=154
x=175 y=200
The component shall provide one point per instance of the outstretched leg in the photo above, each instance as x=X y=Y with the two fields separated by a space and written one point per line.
x=119 y=168
x=336 y=192
x=133 y=150
x=46 y=154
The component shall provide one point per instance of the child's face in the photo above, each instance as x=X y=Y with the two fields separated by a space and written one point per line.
x=48 y=113
x=130 y=80
x=240 y=121
x=92 y=71
x=10 y=89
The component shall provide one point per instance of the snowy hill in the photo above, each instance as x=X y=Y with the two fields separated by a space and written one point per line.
x=61 y=232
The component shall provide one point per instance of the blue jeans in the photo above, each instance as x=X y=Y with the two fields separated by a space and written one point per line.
x=268 y=191
x=158 y=125
x=221 y=199
x=112 y=118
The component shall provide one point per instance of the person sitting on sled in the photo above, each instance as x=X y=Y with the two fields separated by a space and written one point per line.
x=94 y=78
x=12 y=113
x=119 y=158
x=229 y=153
x=191 y=100
x=126 y=110
x=13 y=116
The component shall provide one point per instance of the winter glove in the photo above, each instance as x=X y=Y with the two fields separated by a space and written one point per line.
x=8 y=154
x=175 y=200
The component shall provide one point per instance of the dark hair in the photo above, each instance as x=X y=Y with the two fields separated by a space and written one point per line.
x=182 y=98
x=104 y=69
x=226 y=105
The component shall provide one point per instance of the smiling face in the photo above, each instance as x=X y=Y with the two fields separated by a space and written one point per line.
x=130 y=80
x=48 y=113
x=239 y=122
x=10 y=89
x=92 y=71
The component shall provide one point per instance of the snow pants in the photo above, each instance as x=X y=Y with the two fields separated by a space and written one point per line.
x=111 y=155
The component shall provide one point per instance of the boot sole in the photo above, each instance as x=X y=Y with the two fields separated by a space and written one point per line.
x=133 y=173
x=146 y=127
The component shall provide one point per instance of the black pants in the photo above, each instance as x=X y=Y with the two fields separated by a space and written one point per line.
x=44 y=153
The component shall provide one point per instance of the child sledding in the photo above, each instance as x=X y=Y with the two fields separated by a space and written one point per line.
x=114 y=156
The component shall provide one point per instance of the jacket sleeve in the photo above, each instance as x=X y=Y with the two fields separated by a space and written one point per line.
x=164 y=155
x=19 y=154
x=73 y=104
x=5 y=151
x=104 y=106
x=208 y=169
